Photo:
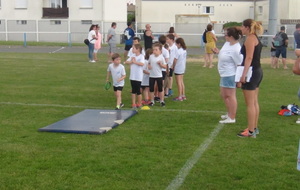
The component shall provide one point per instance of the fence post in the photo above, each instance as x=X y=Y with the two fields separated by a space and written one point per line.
x=25 y=41
x=70 y=40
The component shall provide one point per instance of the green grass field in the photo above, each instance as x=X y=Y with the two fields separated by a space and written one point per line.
x=149 y=150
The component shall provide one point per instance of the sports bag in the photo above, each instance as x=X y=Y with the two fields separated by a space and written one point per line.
x=86 y=41
x=278 y=40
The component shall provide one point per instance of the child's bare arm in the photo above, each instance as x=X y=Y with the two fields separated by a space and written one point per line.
x=122 y=78
x=108 y=75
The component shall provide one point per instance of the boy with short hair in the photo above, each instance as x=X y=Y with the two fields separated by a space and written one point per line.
x=118 y=73
x=136 y=40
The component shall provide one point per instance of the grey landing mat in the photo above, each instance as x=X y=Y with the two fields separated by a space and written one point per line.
x=90 y=121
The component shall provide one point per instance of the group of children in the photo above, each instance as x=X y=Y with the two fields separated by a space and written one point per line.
x=151 y=72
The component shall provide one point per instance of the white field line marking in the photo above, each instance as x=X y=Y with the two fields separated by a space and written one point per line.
x=185 y=170
x=90 y=107
x=58 y=50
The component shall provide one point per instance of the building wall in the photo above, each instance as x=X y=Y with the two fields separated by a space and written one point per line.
x=105 y=10
x=165 y=11
x=293 y=9
x=15 y=23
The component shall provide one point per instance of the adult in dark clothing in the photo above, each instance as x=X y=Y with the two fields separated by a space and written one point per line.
x=148 y=37
x=281 y=50
x=251 y=51
x=297 y=40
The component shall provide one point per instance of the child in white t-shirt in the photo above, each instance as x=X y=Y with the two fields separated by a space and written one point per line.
x=179 y=69
x=145 y=81
x=136 y=62
x=173 y=53
x=156 y=63
x=136 y=40
x=117 y=71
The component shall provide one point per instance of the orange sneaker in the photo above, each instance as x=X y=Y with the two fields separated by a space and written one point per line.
x=246 y=133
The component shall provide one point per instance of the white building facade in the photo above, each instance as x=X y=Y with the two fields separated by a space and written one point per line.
x=58 y=20
x=192 y=16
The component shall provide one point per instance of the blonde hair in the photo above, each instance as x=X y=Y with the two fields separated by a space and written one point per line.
x=255 y=27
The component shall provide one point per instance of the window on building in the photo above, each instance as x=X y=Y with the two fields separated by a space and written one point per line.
x=21 y=4
x=208 y=10
x=22 y=22
x=55 y=22
x=86 y=22
x=56 y=3
x=260 y=10
x=86 y=3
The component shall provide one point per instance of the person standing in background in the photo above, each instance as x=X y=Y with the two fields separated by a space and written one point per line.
x=281 y=46
x=297 y=49
x=209 y=46
x=92 y=38
x=273 y=54
x=97 y=42
x=148 y=37
x=128 y=35
x=172 y=31
x=112 y=40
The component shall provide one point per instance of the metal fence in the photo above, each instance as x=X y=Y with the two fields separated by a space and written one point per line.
x=75 y=31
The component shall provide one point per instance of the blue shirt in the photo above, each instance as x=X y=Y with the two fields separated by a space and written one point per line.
x=297 y=38
x=131 y=33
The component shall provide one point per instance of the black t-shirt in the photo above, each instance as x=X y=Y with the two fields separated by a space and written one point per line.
x=256 y=55
x=148 y=41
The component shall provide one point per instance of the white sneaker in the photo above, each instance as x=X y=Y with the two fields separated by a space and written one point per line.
x=224 y=116
x=228 y=120
x=92 y=61
x=298 y=121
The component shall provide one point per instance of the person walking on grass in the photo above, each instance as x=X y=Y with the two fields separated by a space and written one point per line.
x=136 y=62
x=251 y=51
x=281 y=41
x=229 y=58
x=179 y=67
x=112 y=40
x=118 y=73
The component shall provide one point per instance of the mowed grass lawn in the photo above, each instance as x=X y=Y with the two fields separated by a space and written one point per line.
x=149 y=150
